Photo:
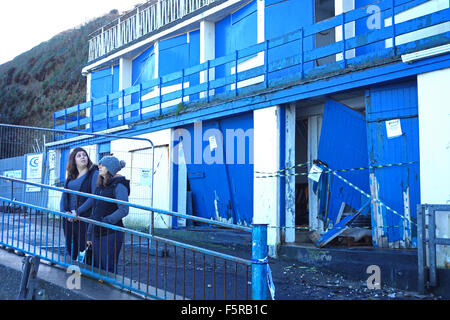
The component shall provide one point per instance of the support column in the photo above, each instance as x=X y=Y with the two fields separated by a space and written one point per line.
x=207 y=50
x=434 y=145
x=88 y=96
x=314 y=128
x=125 y=79
x=290 y=180
x=342 y=6
x=266 y=197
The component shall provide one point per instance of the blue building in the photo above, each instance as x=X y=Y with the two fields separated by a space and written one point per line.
x=241 y=97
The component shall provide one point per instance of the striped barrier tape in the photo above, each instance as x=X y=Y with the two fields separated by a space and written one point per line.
x=274 y=174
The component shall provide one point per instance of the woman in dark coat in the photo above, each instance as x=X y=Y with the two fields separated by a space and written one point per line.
x=81 y=175
x=107 y=243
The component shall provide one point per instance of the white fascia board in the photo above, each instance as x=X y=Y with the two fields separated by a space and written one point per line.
x=428 y=53
x=158 y=36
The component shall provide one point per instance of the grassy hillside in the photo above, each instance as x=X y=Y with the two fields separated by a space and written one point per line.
x=48 y=77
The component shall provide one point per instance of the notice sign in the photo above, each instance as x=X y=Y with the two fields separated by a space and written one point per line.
x=315 y=173
x=16 y=174
x=212 y=143
x=34 y=171
x=146 y=177
x=393 y=128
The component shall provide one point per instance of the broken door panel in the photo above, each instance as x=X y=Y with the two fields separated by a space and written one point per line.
x=397 y=186
x=343 y=145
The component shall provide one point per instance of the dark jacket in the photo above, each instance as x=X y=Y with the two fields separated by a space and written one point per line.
x=102 y=210
x=85 y=187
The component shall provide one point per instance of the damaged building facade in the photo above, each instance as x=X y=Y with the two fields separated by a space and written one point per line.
x=244 y=99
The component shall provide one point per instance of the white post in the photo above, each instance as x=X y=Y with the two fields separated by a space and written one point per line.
x=88 y=96
x=342 y=6
x=290 y=180
x=314 y=127
x=207 y=50
x=125 y=80
x=266 y=196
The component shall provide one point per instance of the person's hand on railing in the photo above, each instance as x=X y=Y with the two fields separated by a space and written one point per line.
x=72 y=213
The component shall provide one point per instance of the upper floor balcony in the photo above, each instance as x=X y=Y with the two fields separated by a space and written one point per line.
x=357 y=40
x=141 y=21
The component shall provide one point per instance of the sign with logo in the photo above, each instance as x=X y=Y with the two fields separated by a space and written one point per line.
x=34 y=171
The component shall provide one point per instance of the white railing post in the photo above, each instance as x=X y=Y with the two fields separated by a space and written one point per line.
x=158 y=14
x=119 y=33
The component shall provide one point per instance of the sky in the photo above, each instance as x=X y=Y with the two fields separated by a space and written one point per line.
x=25 y=24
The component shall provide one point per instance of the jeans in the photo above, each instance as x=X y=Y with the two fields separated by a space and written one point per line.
x=75 y=233
x=106 y=250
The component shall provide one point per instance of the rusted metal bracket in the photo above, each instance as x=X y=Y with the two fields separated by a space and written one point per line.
x=29 y=289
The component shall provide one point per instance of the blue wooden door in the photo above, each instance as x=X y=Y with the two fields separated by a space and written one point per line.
x=397 y=186
x=343 y=145
x=221 y=183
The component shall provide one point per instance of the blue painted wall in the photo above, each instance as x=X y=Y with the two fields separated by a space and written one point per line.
x=104 y=82
x=362 y=28
x=229 y=187
x=282 y=17
x=235 y=32
x=177 y=53
x=143 y=68
x=395 y=101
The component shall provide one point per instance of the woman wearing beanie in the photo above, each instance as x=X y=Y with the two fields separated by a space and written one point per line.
x=106 y=243
x=81 y=175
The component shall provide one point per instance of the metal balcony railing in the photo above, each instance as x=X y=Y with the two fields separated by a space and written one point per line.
x=139 y=22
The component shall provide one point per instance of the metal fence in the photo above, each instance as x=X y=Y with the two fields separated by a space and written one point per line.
x=130 y=257
x=431 y=246
x=40 y=155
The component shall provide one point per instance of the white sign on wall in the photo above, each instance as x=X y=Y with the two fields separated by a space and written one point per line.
x=393 y=128
x=146 y=179
x=34 y=171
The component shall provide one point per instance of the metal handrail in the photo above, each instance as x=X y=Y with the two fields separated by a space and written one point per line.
x=257 y=265
x=134 y=205
x=151 y=18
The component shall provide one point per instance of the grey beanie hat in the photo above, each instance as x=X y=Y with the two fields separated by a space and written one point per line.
x=112 y=164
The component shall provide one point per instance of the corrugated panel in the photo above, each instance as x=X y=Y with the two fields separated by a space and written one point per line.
x=398 y=186
x=343 y=145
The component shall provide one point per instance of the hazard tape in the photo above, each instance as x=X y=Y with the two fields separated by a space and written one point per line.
x=335 y=172
x=286 y=169
x=370 y=197
x=274 y=174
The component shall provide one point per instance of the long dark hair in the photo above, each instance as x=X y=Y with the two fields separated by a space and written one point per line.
x=104 y=181
x=71 y=169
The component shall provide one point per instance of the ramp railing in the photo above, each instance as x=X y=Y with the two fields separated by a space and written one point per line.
x=432 y=248
x=149 y=265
